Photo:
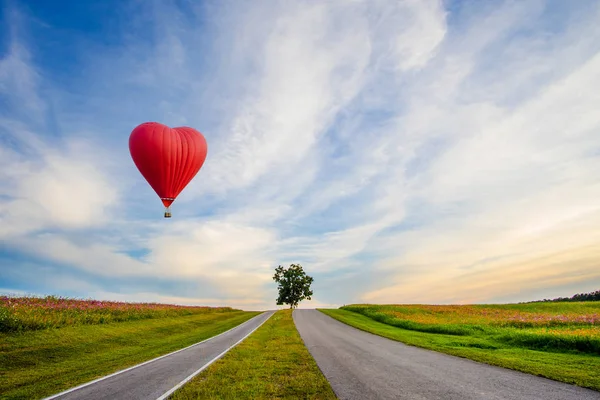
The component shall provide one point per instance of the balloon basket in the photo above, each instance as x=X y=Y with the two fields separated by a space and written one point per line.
x=167 y=212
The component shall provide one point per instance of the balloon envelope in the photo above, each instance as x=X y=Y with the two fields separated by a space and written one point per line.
x=168 y=158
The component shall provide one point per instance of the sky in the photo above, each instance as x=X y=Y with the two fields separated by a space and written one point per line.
x=430 y=152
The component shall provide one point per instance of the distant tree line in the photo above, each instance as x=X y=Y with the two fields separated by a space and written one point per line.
x=592 y=296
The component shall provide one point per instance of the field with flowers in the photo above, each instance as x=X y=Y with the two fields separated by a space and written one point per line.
x=50 y=344
x=557 y=340
x=547 y=326
x=19 y=314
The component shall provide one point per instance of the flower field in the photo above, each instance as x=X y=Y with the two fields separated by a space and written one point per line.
x=546 y=326
x=18 y=314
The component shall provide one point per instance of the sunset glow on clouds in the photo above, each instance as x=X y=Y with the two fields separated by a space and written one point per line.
x=402 y=152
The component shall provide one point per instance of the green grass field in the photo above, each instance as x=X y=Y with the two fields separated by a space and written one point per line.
x=20 y=314
x=560 y=341
x=272 y=363
x=38 y=363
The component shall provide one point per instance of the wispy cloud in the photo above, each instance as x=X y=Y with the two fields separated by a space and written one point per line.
x=418 y=151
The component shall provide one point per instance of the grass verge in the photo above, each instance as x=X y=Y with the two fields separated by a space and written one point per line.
x=272 y=363
x=569 y=366
x=35 y=364
x=20 y=314
x=538 y=326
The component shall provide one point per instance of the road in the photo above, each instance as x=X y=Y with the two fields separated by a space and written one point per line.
x=363 y=366
x=154 y=379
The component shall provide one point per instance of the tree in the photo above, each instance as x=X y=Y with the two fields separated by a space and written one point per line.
x=294 y=285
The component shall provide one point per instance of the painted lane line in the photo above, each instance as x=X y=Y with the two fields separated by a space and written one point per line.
x=186 y=380
x=147 y=362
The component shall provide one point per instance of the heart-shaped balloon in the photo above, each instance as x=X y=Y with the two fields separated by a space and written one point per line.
x=167 y=157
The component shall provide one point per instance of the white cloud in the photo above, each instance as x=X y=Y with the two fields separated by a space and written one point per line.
x=311 y=66
x=18 y=80
x=57 y=189
x=418 y=27
x=95 y=258
x=223 y=251
x=526 y=186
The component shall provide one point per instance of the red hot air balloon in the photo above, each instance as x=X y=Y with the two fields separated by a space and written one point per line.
x=167 y=157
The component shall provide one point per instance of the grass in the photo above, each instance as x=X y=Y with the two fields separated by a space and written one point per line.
x=38 y=363
x=540 y=326
x=476 y=341
x=19 y=314
x=272 y=363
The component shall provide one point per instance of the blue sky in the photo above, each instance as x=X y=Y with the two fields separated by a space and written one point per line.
x=402 y=152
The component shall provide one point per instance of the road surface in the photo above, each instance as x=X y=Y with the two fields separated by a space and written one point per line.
x=363 y=366
x=156 y=378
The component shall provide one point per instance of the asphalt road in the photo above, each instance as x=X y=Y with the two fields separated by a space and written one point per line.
x=363 y=366
x=154 y=379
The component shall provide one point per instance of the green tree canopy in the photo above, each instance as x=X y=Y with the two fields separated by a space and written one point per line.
x=294 y=285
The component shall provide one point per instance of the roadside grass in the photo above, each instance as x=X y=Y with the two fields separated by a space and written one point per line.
x=570 y=366
x=272 y=363
x=537 y=326
x=19 y=314
x=35 y=364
